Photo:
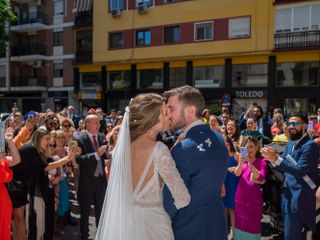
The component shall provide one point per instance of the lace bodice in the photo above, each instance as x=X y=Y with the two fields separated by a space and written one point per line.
x=151 y=194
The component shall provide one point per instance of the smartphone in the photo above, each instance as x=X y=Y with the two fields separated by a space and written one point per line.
x=244 y=153
x=73 y=144
x=310 y=125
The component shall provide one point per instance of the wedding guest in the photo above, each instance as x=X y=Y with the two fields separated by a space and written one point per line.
x=205 y=115
x=251 y=130
x=214 y=124
x=230 y=183
x=248 y=199
x=277 y=124
x=31 y=175
x=232 y=130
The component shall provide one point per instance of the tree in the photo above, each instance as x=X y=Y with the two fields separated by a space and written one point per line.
x=6 y=16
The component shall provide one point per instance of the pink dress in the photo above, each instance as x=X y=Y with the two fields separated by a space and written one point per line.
x=248 y=199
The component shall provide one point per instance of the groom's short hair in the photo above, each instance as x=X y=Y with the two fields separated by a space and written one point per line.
x=188 y=96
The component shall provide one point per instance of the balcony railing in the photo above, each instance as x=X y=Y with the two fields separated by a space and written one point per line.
x=83 y=19
x=307 y=39
x=2 y=81
x=28 y=81
x=83 y=57
x=33 y=17
x=29 y=49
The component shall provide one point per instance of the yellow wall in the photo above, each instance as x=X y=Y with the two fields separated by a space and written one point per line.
x=261 y=41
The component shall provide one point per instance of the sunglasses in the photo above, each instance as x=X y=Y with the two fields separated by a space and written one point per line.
x=53 y=145
x=293 y=124
x=109 y=126
x=66 y=126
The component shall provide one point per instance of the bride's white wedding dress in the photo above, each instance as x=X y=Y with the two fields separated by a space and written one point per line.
x=151 y=218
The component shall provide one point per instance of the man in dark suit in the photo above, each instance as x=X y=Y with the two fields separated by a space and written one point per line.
x=299 y=165
x=92 y=179
x=202 y=160
x=73 y=116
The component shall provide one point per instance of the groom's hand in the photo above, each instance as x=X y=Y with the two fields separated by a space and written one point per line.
x=102 y=150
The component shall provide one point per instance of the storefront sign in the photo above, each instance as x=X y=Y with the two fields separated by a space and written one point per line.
x=88 y=95
x=250 y=94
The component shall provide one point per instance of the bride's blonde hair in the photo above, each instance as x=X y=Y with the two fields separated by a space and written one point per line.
x=144 y=113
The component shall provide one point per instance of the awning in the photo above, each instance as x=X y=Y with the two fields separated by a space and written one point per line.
x=82 y=6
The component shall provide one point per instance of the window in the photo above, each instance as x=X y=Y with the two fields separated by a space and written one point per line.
x=116 y=40
x=177 y=77
x=119 y=79
x=297 y=74
x=148 y=3
x=143 y=37
x=3 y=76
x=116 y=4
x=57 y=38
x=57 y=70
x=90 y=80
x=203 y=31
x=84 y=41
x=250 y=75
x=208 y=77
x=58 y=7
x=172 y=34
x=239 y=27
x=300 y=18
x=150 y=78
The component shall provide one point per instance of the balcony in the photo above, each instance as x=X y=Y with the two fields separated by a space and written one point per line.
x=83 y=57
x=29 y=52
x=34 y=21
x=36 y=83
x=291 y=40
x=83 y=20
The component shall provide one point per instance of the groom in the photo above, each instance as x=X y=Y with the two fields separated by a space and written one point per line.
x=202 y=160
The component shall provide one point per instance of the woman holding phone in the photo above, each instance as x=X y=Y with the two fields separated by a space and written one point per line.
x=251 y=169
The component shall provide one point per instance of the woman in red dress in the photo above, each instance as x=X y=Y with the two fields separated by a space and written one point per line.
x=6 y=177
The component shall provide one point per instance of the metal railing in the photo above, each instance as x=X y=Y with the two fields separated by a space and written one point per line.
x=28 y=81
x=307 y=39
x=32 y=17
x=83 y=56
x=29 y=49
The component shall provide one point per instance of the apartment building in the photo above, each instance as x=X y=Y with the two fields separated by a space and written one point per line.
x=235 y=51
x=38 y=67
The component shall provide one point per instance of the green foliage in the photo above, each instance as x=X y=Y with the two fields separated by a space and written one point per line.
x=6 y=16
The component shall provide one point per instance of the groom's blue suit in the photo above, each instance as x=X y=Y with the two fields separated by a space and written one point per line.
x=202 y=160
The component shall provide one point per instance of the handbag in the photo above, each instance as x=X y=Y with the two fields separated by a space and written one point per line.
x=16 y=187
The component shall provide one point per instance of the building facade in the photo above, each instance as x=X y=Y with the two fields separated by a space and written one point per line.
x=37 y=70
x=235 y=52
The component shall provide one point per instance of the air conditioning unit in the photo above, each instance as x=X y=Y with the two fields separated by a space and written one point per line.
x=115 y=12
x=142 y=7
x=37 y=64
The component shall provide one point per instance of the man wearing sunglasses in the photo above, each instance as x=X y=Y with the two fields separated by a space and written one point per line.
x=299 y=166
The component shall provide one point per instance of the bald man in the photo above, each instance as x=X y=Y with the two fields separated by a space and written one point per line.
x=92 y=179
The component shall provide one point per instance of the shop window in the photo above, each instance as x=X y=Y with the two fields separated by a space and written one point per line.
x=177 y=77
x=57 y=70
x=172 y=34
x=203 y=31
x=239 y=27
x=57 y=38
x=119 y=80
x=250 y=75
x=208 y=77
x=58 y=8
x=297 y=74
x=3 y=76
x=143 y=37
x=90 y=80
x=116 y=40
x=298 y=18
x=150 y=78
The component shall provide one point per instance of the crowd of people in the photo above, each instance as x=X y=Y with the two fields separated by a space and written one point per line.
x=45 y=151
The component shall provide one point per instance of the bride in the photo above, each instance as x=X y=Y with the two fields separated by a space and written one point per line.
x=133 y=206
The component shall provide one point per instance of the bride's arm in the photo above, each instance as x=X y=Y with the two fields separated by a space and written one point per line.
x=171 y=177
